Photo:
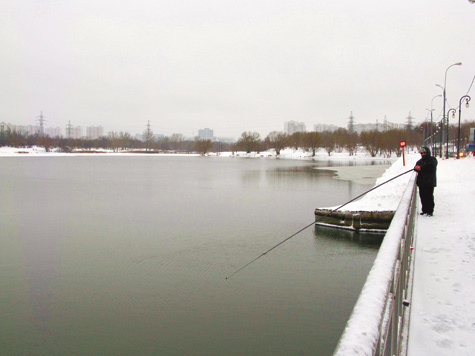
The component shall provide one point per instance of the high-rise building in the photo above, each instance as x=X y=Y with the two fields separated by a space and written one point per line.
x=206 y=134
x=291 y=127
x=77 y=132
x=28 y=129
x=73 y=131
x=325 y=127
x=94 y=132
x=53 y=131
x=23 y=129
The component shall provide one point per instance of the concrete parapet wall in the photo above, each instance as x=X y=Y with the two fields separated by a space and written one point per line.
x=375 y=326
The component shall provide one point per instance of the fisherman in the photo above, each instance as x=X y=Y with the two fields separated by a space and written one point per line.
x=426 y=180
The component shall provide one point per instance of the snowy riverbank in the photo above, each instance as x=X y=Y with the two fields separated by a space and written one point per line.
x=287 y=153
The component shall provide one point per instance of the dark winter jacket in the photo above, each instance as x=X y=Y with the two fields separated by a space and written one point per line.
x=427 y=175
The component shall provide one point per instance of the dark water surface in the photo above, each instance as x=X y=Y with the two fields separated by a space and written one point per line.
x=113 y=255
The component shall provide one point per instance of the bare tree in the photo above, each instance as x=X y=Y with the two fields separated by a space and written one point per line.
x=176 y=141
x=390 y=141
x=114 y=141
x=277 y=140
x=328 y=141
x=295 y=139
x=45 y=141
x=311 y=140
x=371 y=140
x=249 y=141
x=203 y=146
x=125 y=140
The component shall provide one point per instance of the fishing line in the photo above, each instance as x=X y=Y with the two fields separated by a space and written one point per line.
x=280 y=243
x=313 y=223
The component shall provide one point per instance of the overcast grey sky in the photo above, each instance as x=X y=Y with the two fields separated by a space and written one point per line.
x=231 y=65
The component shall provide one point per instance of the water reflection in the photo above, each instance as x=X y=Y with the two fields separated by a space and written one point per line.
x=296 y=175
x=351 y=163
x=366 y=239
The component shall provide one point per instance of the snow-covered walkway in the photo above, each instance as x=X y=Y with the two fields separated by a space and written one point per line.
x=442 y=316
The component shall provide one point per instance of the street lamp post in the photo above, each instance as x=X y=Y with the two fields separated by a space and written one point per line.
x=423 y=129
x=445 y=98
x=453 y=115
x=441 y=134
x=431 y=124
x=441 y=128
x=467 y=99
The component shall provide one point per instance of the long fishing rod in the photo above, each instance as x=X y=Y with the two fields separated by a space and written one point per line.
x=313 y=223
x=359 y=196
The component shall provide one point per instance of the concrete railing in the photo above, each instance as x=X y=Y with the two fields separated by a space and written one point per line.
x=377 y=322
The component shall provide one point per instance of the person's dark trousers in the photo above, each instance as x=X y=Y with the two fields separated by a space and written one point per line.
x=427 y=199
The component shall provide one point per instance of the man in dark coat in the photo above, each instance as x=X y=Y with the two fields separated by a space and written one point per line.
x=426 y=180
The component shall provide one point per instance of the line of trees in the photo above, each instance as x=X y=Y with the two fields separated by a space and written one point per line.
x=116 y=141
x=374 y=142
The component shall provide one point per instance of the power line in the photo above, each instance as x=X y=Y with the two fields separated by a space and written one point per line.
x=468 y=91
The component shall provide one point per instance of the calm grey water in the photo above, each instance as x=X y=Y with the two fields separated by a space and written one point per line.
x=114 y=255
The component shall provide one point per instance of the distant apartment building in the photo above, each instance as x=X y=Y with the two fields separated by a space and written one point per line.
x=23 y=129
x=385 y=126
x=359 y=128
x=53 y=132
x=206 y=134
x=291 y=127
x=226 y=139
x=73 y=131
x=77 y=132
x=325 y=127
x=94 y=132
x=390 y=126
x=30 y=129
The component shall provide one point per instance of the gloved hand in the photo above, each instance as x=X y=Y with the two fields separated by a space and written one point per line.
x=417 y=168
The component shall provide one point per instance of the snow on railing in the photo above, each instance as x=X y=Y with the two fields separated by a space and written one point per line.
x=376 y=323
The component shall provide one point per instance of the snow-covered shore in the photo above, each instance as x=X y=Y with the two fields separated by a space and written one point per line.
x=287 y=153
x=36 y=151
